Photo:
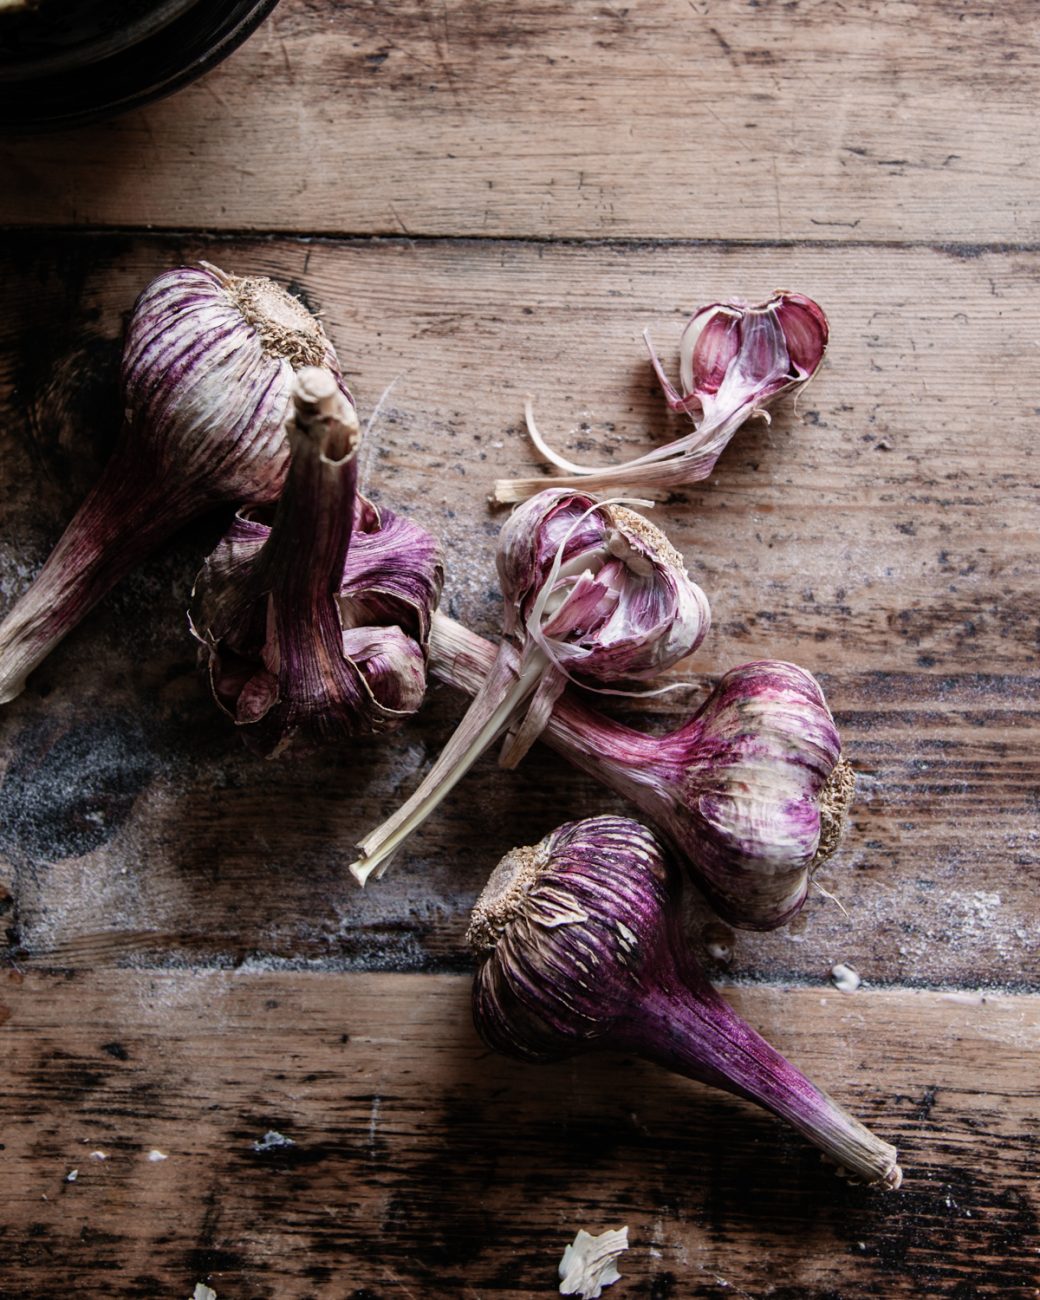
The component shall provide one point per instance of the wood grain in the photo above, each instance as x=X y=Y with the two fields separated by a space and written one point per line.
x=486 y=201
x=693 y=119
x=422 y=1164
x=882 y=535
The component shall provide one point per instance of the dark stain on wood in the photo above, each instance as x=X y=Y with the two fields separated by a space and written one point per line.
x=66 y=792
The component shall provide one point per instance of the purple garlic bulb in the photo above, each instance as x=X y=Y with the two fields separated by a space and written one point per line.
x=208 y=366
x=751 y=792
x=316 y=626
x=594 y=594
x=734 y=361
x=581 y=948
x=740 y=789
x=598 y=587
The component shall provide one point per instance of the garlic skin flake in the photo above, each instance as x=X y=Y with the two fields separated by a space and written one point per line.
x=207 y=371
x=315 y=626
x=735 y=360
x=845 y=978
x=589 y=1263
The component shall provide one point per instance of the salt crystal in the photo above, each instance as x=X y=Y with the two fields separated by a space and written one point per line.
x=272 y=1140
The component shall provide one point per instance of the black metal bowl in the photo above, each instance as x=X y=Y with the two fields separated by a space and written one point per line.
x=65 y=62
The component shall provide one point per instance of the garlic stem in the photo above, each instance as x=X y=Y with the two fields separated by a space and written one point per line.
x=496 y=703
x=655 y=472
x=684 y=1025
x=312 y=528
x=463 y=659
x=120 y=522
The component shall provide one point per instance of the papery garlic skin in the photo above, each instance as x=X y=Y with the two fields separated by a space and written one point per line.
x=735 y=360
x=751 y=792
x=589 y=1263
x=593 y=593
x=581 y=948
x=208 y=365
x=315 y=627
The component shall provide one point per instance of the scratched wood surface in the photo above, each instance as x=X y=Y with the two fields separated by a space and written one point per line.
x=184 y=950
x=733 y=119
x=152 y=1112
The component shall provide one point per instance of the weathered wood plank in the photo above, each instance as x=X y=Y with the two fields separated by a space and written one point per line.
x=708 y=119
x=424 y=1165
x=883 y=535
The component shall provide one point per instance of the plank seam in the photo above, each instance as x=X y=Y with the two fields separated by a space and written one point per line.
x=965 y=250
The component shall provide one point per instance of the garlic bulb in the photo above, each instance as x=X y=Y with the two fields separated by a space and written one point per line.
x=598 y=587
x=751 y=792
x=581 y=948
x=594 y=594
x=316 y=626
x=735 y=360
x=208 y=365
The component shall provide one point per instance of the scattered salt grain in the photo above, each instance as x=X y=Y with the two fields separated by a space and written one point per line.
x=272 y=1140
x=844 y=978
x=203 y=1292
x=72 y=1175
x=155 y=1156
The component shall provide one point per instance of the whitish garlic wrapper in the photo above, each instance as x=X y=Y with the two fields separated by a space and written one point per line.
x=208 y=367
x=581 y=948
x=752 y=791
x=315 y=626
x=594 y=594
x=734 y=361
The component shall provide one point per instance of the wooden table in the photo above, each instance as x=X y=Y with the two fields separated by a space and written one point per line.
x=488 y=200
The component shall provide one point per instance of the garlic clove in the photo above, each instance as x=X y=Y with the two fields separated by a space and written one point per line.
x=393 y=575
x=735 y=360
x=709 y=345
x=392 y=664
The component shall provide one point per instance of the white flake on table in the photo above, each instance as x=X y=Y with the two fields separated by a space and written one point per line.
x=844 y=978
x=589 y=1263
